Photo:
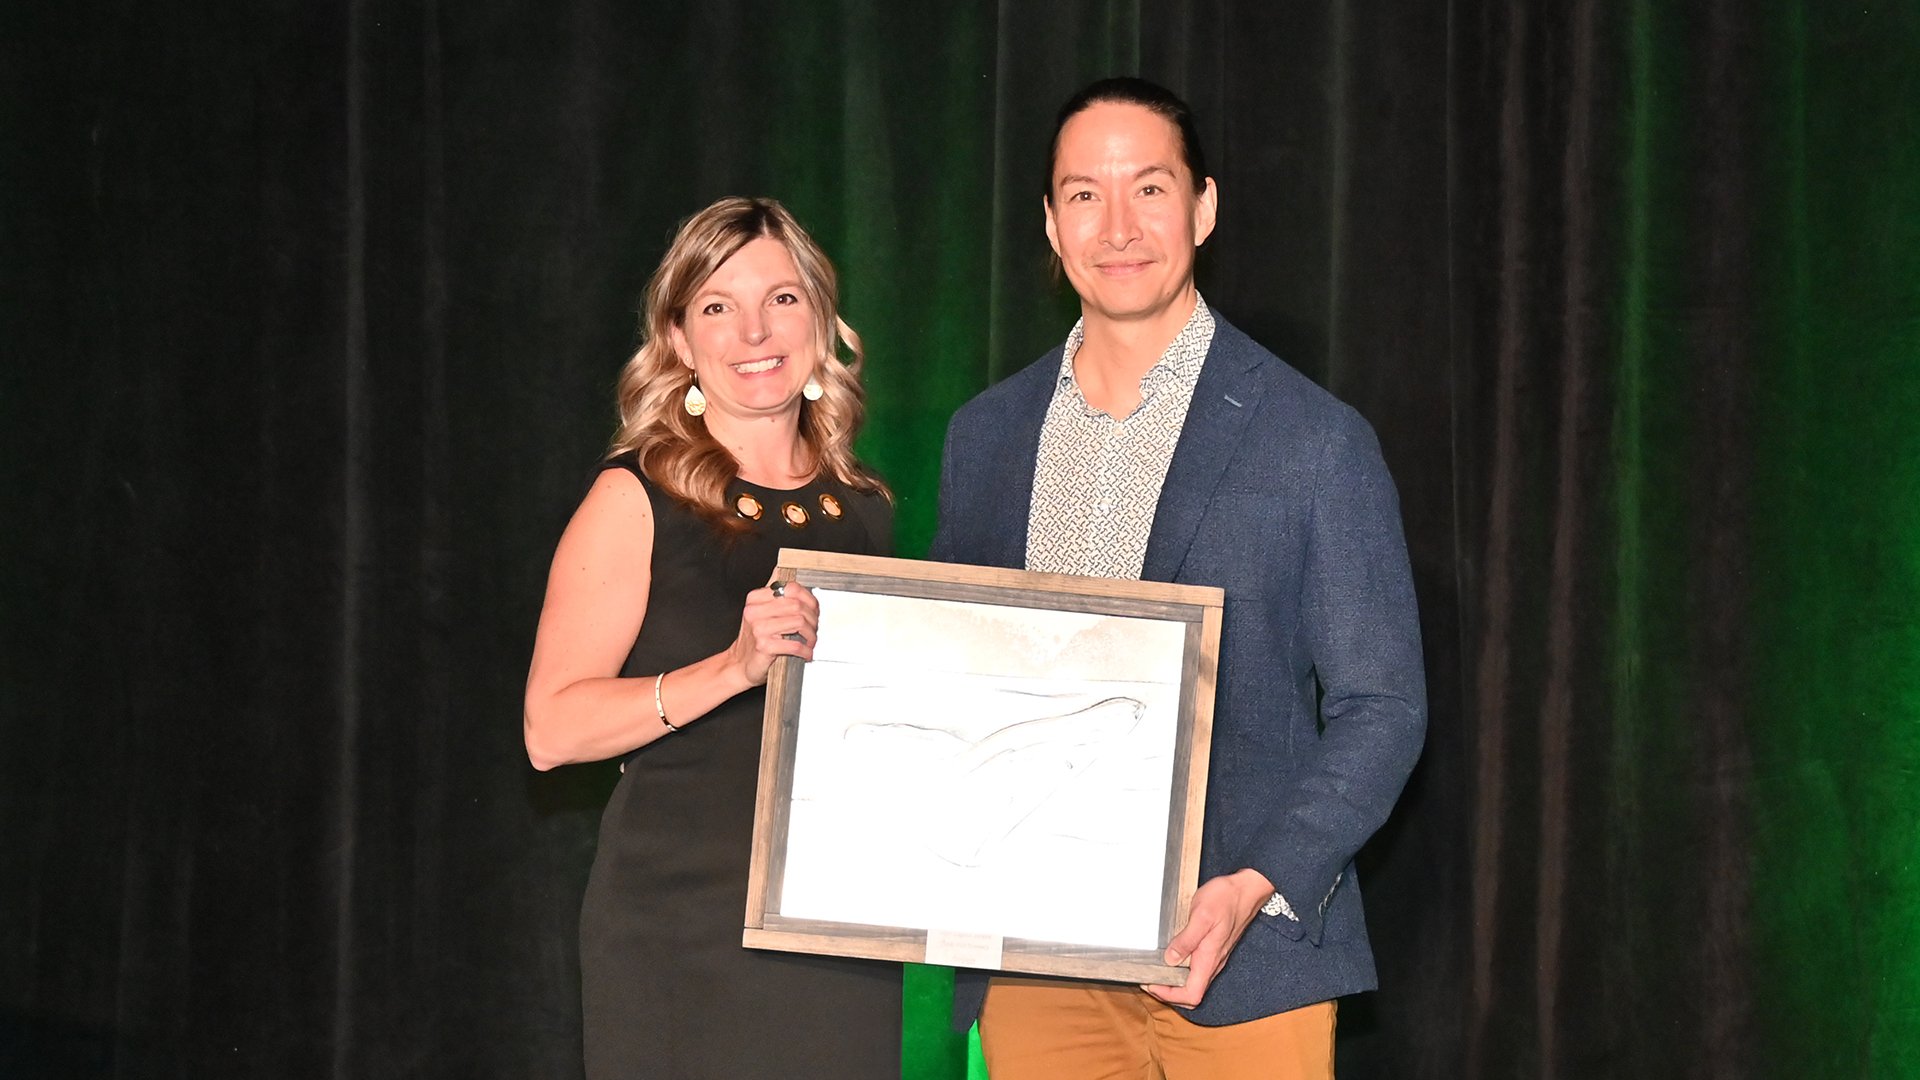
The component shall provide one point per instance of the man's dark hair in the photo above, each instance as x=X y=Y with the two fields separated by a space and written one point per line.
x=1151 y=96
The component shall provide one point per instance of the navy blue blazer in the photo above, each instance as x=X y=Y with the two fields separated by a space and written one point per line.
x=1278 y=494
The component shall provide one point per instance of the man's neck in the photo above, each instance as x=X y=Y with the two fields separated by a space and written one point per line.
x=1115 y=354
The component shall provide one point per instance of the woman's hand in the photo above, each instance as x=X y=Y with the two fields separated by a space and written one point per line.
x=780 y=620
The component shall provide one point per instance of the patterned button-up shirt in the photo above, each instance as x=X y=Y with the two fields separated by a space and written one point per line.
x=1097 y=480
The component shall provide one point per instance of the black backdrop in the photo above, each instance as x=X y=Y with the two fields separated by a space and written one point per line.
x=311 y=314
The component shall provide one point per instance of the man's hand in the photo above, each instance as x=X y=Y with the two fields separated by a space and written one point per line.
x=1221 y=910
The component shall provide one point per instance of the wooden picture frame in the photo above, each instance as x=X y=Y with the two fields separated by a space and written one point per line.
x=928 y=827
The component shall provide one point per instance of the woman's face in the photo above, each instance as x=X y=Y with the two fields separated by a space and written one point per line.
x=749 y=333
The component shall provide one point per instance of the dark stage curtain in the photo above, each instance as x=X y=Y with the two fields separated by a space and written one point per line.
x=309 y=316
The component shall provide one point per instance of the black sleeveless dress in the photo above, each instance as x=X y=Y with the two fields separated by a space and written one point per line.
x=667 y=990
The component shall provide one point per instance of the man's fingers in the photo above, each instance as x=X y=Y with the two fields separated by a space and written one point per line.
x=1183 y=997
x=1207 y=956
x=1181 y=946
x=1168 y=994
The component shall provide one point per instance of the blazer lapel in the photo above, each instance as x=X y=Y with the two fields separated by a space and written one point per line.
x=1010 y=495
x=1224 y=400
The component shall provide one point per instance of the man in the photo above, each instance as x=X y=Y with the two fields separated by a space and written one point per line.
x=1161 y=443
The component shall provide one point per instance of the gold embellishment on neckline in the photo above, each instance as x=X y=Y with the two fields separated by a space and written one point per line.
x=748 y=507
x=830 y=505
x=795 y=514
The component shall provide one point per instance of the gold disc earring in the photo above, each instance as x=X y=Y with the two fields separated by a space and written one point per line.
x=696 y=401
x=813 y=391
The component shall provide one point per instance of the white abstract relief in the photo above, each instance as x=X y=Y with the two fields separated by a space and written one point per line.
x=984 y=769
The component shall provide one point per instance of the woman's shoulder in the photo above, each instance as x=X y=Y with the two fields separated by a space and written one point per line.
x=628 y=461
x=625 y=470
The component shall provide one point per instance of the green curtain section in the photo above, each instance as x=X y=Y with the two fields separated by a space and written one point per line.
x=1635 y=393
x=896 y=181
x=1673 y=698
x=1830 y=512
x=1837 y=499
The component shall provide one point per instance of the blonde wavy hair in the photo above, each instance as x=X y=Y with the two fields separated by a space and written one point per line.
x=674 y=449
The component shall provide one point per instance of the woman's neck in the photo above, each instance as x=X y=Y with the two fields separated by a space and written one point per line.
x=768 y=449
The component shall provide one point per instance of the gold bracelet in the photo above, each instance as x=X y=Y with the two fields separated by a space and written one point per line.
x=657 y=706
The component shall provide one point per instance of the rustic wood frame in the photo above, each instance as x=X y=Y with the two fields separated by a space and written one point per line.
x=1199 y=607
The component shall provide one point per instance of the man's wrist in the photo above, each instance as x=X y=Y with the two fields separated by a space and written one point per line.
x=1264 y=898
x=1256 y=891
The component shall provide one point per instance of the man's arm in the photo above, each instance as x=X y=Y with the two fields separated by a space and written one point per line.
x=1360 y=628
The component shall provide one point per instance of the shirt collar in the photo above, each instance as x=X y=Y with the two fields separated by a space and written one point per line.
x=1179 y=365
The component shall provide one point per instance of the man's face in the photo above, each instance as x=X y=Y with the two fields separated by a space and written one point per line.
x=1124 y=217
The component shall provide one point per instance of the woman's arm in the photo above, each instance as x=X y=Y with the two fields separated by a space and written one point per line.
x=577 y=706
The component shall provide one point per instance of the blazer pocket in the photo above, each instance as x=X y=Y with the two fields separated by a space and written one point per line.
x=1250 y=542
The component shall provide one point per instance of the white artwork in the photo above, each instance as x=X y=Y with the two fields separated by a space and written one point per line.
x=1014 y=764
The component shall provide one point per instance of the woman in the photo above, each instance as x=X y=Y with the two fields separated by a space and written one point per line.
x=737 y=420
